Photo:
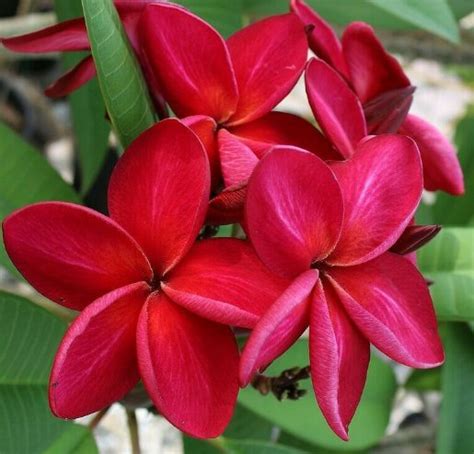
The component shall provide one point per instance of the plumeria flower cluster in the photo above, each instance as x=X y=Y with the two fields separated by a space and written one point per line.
x=328 y=215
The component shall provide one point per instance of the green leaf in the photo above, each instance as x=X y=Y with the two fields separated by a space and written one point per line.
x=226 y=17
x=120 y=79
x=454 y=433
x=29 y=339
x=449 y=210
x=26 y=177
x=91 y=128
x=448 y=260
x=303 y=419
x=424 y=380
x=434 y=16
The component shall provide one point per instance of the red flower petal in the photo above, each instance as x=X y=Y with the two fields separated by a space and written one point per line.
x=293 y=209
x=189 y=367
x=279 y=328
x=159 y=192
x=73 y=79
x=335 y=106
x=223 y=280
x=191 y=62
x=388 y=299
x=279 y=128
x=339 y=357
x=268 y=57
x=96 y=363
x=66 y=36
x=71 y=254
x=441 y=167
x=372 y=69
x=237 y=159
x=228 y=206
x=381 y=186
x=322 y=38
x=414 y=237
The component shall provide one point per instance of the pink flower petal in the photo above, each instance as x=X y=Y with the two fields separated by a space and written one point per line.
x=279 y=328
x=228 y=206
x=372 y=69
x=381 y=186
x=223 y=280
x=191 y=62
x=335 y=106
x=322 y=38
x=70 y=35
x=268 y=57
x=293 y=210
x=96 y=363
x=280 y=128
x=388 y=299
x=71 y=254
x=339 y=357
x=414 y=237
x=441 y=167
x=159 y=192
x=73 y=79
x=189 y=367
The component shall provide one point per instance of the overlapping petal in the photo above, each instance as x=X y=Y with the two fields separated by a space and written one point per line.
x=189 y=366
x=223 y=280
x=339 y=357
x=414 y=237
x=96 y=363
x=293 y=211
x=279 y=328
x=268 y=58
x=228 y=206
x=191 y=62
x=335 y=106
x=388 y=300
x=381 y=186
x=441 y=167
x=71 y=254
x=159 y=192
x=372 y=69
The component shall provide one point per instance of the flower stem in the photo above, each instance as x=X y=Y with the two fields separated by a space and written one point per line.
x=133 y=430
x=97 y=418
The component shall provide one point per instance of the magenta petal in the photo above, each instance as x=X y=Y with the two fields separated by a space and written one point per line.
x=414 y=237
x=223 y=280
x=388 y=299
x=339 y=357
x=381 y=185
x=268 y=57
x=227 y=207
x=441 y=167
x=279 y=328
x=159 y=191
x=71 y=254
x=191 y=62
x=293 y=210
x=322 y=38
x=96 y=363
x=66 y=36
x=372 y=69
x=189 y=366
x=335 y=106
x=73 y=79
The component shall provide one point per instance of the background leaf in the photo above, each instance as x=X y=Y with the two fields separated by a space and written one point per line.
x=424 y=380
x=120 y=79
x=26 y=177
x=448 y=260
x=29 y=339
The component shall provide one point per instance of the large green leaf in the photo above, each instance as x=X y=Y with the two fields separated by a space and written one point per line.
x=26 y=177
x=91 y=128
x=449 y=210
x=120 y=79
x=303 y=419
x=454 y=433
x=29 y=338
x=449 y=261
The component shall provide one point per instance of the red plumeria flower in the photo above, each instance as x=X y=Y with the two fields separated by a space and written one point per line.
x=133 y=276
x=329 y=229
x=227 y=88
x=382 y=101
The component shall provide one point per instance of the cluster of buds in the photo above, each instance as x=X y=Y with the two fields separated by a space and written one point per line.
x=328 y=216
